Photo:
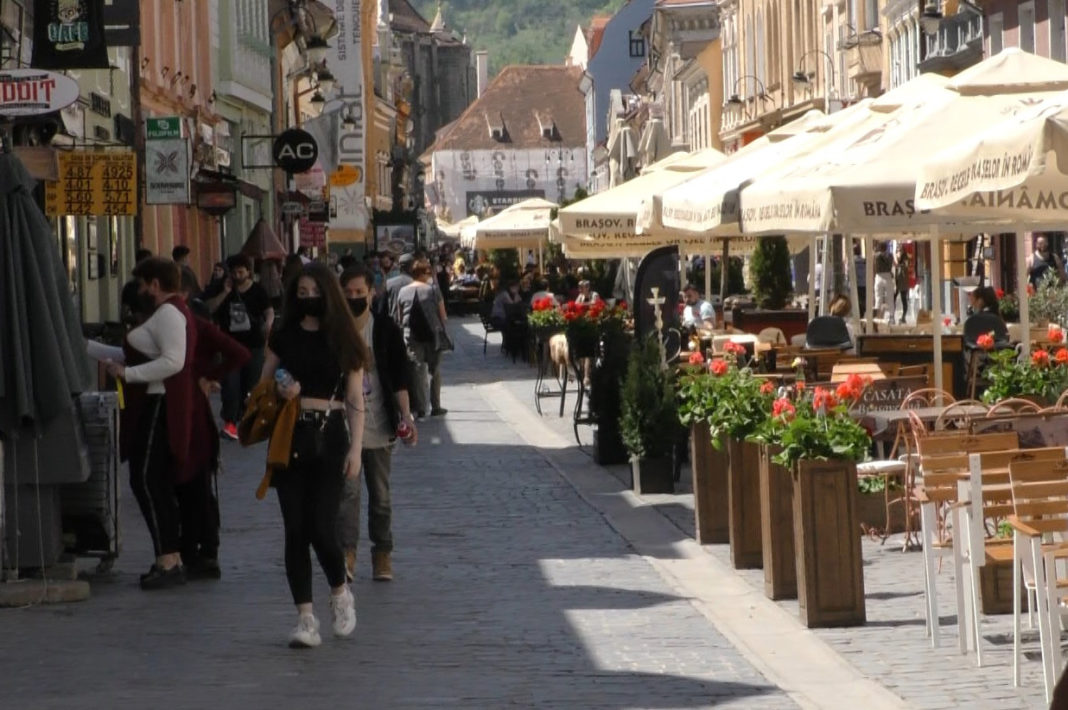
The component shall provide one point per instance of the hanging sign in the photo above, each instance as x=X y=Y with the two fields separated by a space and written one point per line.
x=96 y=183
x=348 y=211
x=312 y=234
x=167 y=171
x=295 y=150
x=163 y=127
x=69 y=34
x=29 y=92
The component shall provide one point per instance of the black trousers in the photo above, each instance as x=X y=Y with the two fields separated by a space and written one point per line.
x=199 y=510
x=309 y=493
x=152 y=477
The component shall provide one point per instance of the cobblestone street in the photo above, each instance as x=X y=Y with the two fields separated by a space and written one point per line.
x=510 y=591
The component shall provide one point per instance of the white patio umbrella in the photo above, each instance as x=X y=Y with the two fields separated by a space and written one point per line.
x=524 y=225
x=454 y=230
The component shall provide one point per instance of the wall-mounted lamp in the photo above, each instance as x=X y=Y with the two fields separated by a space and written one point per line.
x=931 y=18
x=317 y=99
x=326 y=80
x=316 y=47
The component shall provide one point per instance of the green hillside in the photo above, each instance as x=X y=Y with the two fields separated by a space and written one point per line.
x=519 y=31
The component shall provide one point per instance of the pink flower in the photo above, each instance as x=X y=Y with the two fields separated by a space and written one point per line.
x=986 y=341
x=718 y=368
x=696 y=358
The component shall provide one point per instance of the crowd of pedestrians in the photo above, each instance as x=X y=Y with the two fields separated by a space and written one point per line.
x=339 y=367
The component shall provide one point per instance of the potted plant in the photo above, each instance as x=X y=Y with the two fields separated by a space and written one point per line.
x=697 y=392
x=606 y=383
x=545 y=318
x=648 y=421
x=776 y=510
x=820 y=445
x=1042 y=377
x=741 y=405
x=769 y=274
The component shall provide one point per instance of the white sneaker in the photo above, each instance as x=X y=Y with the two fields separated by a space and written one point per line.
x=306 y=634
x=344 y=606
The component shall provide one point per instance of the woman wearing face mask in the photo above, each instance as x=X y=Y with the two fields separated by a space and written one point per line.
x=323 y=354
x=388 y=417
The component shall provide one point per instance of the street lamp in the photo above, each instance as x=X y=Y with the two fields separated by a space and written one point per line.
x=326 y=79
x=735 y=102
x=316 y=47
x=801 y=78
x=931 y=18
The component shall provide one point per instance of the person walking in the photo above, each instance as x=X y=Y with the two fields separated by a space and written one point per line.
x=216 y=355
x=156 y=432
x=901 y=281
x=388 y=417
x=422 y=316
x=388 y=302
x=244 y=312
x=884 y=281
x=1043 y=261
x=324 y=357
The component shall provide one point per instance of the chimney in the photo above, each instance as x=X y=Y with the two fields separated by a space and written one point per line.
x=481 y=70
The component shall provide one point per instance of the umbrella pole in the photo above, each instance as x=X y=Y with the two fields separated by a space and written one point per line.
x=724 y=270
x=825 y=274
x=1021 y=290
x=851 y=269
x=869 y=282
x=936 y=307
x=812 y=279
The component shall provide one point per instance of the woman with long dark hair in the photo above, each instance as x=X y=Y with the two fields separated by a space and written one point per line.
x=323 y=357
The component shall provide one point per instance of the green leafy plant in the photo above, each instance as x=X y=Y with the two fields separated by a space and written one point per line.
x=545 y=314
x=769 y=271
x=816 y=425
x=1049 y=302
x=1044 y=375
x=649 y=420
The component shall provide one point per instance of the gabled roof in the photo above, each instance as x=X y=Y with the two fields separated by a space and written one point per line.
x=406 y=18
x=514 y=101
x=595 y=32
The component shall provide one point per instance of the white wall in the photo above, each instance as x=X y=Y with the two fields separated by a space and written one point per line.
x=469 y=180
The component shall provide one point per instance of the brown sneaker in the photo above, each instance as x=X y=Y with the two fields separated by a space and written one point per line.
x=350 y=564
x=381 y=565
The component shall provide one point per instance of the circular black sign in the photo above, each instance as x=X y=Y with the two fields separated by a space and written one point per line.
x=295 y=150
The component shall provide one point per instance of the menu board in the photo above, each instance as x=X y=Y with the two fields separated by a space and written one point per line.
x=93 y=183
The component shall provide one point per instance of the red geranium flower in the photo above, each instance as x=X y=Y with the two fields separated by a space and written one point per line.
x=1000 y=293
x=783 y=408
x=1030 y=290
x=986 y=341
x=768 y=387
x=1040 y=357
x=1055 y=334
x=799 y=386
x=947 y=321
x=696 y=358
x=1061 y=356
x=734 y=348
x=823 y=399
x=718 y=368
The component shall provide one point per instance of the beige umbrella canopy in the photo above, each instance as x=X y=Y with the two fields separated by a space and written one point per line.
x=263 y=244
x=455 y=229
x=866 y=182
x=524 y=225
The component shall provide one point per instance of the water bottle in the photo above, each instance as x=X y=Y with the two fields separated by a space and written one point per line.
x=283 y=378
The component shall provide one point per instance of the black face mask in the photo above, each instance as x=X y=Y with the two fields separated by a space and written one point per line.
x=358 y=305
x=314 y=306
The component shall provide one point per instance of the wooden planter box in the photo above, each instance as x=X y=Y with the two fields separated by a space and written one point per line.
x=743 y=478
x=709 y=467
x=871 y=513
x=830 y=569
x=777 y=527
x=995 y=588
x=652 y=475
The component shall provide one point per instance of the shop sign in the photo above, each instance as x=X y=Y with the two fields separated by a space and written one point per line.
x=69 y=34
x=163 y=127
x=29 y=92
x=292 y=208
x=167 y=171
x=97 y=183
x=312 y=234
x=295 y=150
x=348 y=209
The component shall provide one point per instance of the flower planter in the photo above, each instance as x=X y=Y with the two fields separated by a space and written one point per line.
x=743 y=478
x=582 y=345
x=608 y=445
x=777 y=527
x=830 y=571
x=871 y=512
x=709 y=467
x=652 y=475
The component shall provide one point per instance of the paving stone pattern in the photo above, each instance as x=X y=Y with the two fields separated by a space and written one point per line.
x=892 y=648
x=510 y=591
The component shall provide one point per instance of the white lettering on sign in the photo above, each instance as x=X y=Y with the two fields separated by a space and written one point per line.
x=348 y=211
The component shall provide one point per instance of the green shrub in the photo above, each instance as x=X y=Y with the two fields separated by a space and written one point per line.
x=769 y=271
x=649 y=423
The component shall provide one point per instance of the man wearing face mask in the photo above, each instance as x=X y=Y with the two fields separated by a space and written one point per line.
x=243 y=311
x=388 y=417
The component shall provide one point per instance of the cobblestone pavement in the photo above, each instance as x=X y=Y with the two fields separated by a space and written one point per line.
x=892 y=648
x=510 y=591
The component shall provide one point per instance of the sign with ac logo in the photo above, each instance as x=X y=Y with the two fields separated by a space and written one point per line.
x=295 y=150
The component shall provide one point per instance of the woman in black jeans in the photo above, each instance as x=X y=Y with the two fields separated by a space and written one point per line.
x=320 y=349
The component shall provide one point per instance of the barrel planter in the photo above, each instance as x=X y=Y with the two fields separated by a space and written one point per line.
x=709 y=466
x=777 y=527
x=743 y=478
x=830 y=571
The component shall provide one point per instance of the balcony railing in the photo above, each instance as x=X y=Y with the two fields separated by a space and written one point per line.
x=958 y=43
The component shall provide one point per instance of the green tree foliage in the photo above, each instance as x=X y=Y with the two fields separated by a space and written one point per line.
x=769 y=271
x=519 y=31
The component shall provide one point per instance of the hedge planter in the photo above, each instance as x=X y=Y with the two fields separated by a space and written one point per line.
x=830 y=571
x=608 y=445
x=743 y=477
x=777 y=527
x=709 y=467
x=652 y=475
